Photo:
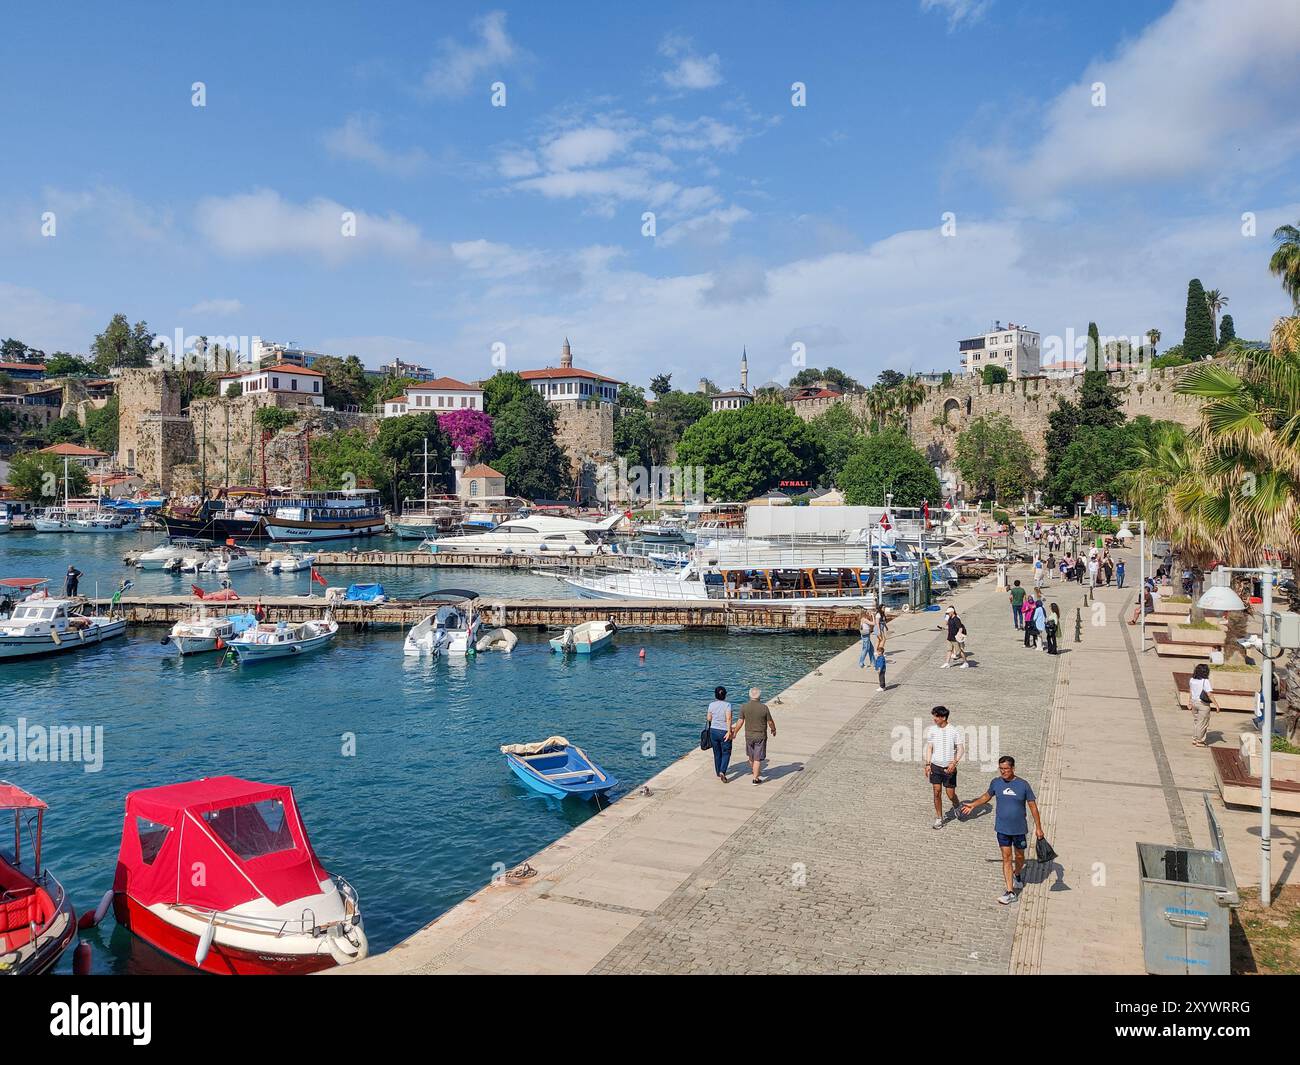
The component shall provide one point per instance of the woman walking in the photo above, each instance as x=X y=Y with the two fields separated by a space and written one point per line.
x=1031 y=604
x=719 y=720
x=1053 y=629
x=880 y=661
x=1203 y=703
x=1039 y=623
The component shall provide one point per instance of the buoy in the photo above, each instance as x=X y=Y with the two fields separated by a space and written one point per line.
x=642 y=654
x=81 y=959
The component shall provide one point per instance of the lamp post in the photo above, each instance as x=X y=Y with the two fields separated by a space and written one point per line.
x=1220 y=596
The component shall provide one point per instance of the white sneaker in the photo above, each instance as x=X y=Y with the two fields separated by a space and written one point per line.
x=964 y=665
x=938 y=823
x=1006 y=898
x=880 y=689
x=945 y=665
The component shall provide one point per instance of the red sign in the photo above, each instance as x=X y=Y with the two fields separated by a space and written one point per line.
x=796 y=484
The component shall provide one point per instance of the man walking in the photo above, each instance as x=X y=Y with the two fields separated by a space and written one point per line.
x=1014 y=797
x=1039 y=570
x=1017 y=597
x=70 y=582
x=943 y=750
x=758 y=721
x=956 y=641
x=1119 y=573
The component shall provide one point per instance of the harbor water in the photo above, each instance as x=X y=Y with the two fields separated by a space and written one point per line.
x=394 y=760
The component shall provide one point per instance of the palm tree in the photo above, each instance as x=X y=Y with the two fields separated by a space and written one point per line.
x=1166 y=485
x=1215 y=300
x=1285 y=263
x=1153 y=338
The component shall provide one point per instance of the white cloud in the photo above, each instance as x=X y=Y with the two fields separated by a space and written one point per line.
x=690 y=69
x=495 y=260
x=711 y=228
x=358 y=140
x=458 y=67
x=263 y=223
x=586 y=146
x=699 y=135
x=44 y=322
x=216 y=307
x=959 y=12
x=1200 y=90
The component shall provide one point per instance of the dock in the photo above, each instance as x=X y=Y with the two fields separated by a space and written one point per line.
x=731 y=616
x=458 y=559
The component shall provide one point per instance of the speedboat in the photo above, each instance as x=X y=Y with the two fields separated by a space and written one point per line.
x=207 y=632
x=585 y=639
x=229 y=559
x=557 y=768
x=284 y=639
x=37 y=922
x=45 y=626
x=292 y=561
x=265 y=904
x=453 y=630
x=535 y=535
x=104 y=521
x=169 y=554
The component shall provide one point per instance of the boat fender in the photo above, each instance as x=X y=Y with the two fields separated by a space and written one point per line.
x=642 y=654
x=166 y=640
x=205 y=942
x=613 y=625
x=346 y=947
x=101 y=911
x=81 y=960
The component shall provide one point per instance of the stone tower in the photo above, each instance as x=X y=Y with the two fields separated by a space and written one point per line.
x=744 y=370
x=566 y=355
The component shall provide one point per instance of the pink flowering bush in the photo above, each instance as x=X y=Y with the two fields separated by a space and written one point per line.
x=470 y=430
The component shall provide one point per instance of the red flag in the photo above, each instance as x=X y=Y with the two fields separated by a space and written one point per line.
x=884 y=521
x=925 y=512
x=196 y=591
x=318 y=578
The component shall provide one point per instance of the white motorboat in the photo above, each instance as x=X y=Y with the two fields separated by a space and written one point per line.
x=284 y=639
x=104 y=521
x=585 y=639
x=227 y=559
x=57 y=519
x=170 y=554
x=536 y=535
x=452 y=630
x=292 y=561
x=204 y=632
x=41 y=625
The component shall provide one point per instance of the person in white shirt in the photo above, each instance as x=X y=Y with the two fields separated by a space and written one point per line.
x=943 y=750
x=1203 y=703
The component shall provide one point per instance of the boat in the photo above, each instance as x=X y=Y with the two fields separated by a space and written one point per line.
x=204 y=632
x=328 y=516
x=557 y=768
x=228 y=559
x=265 y=905
x=37 y=923
x=292 y=561
x=453 y=629
x=45 y=626
x=534 y=535
x=668 y=530
x=283 y=639
x=497 y=640
x=16 y=514
x=16 y=589
x=585 y=639
x=104 y=521
x=58 y=519
x=169 y=554
x=430 y=515
x=235 y=514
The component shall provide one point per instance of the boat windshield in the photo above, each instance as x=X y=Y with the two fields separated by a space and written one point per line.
x=252 y=830
x=39 y=613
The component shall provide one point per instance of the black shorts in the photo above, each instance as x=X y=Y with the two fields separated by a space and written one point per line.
x=939 y=775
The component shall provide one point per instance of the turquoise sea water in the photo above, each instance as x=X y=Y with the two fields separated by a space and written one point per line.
x=419 y=816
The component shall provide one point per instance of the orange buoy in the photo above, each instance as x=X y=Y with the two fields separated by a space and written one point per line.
x=642 y=654
x=81 y=959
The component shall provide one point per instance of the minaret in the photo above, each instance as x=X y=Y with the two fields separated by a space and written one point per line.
x=566 y=355
x=744 y=370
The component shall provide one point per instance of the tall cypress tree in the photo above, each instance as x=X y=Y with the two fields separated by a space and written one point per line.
x=1094 y=349
x=1227 y=331
x=1198 y=326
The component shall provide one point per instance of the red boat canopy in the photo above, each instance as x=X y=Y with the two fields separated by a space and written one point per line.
x=14 y=798
x=215 y=843
x=23 y=583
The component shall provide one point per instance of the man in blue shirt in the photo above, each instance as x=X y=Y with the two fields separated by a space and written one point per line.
x=1014 y=797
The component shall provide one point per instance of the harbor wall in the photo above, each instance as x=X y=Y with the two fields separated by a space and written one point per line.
x=586 y=432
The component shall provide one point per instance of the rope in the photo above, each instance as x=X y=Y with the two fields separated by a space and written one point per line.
x=521 y=872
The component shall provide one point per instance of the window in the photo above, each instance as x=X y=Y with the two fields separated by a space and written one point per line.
x=252 y=830
x=463 y=400
x=275 y=383
x=152 y=836
x=294 y=382
x=315 y=386
x=473 y=486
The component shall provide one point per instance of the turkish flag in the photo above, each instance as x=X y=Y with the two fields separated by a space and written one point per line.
x=196 y=591
x=318 y=578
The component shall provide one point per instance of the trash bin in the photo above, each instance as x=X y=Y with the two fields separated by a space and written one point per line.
x=1186 y=896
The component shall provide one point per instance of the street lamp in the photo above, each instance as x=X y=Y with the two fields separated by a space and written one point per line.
x=1220 y=596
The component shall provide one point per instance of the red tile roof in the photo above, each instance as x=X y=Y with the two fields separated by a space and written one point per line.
x=4 y=366
x=73 y=451
x=552 y=372
x=480 y=470
x=278 y=367
x=443 y=384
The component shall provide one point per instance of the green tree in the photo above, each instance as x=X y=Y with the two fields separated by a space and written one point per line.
x=345 y=383
x=890 y=378
x=661 y=384
x=1198 y=328
x=1285 y=263
x=12 y=350
x=345 y=459
x=887 y=461
x=837 y=379
x=837 y=432
x=501 y=388
x=1093 y=358
x=995 y=459
x=1173 y=356
x=631 y=397
x=390 y=388
x=994 y=375
x=749 y=451
x=122 y=346
x=1215 y=301
x=673 y=414
x=39 y=478
x=634 y=438
x=535 y=466
x=61 y=364
x=1227 y=332
x=1099 y=406
x=101 y=427
x=400 y=447
x=273 y=419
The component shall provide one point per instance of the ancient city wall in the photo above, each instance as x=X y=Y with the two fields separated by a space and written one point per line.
x=586 y=432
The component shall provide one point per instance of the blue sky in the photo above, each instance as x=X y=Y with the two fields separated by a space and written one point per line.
x=775 y=225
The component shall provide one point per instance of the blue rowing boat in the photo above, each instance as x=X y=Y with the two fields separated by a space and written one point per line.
x=560 y=770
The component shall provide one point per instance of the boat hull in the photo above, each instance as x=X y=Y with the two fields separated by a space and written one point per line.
x=599 y=783
x=223 y=959
x=216 y=529
x=251 y=653
x=12 y=647
x=287 y=529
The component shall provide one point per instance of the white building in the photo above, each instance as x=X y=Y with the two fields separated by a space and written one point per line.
x=439 y=396
x=566 y=383
x=737 y=398
x=295 y=382
x=1012 y=347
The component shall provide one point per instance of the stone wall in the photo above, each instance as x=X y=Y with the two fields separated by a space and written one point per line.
x=586 y=432
x=948 y=409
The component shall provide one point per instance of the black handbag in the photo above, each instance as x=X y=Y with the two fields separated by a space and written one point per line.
x=1043 y=850
x=706 y=741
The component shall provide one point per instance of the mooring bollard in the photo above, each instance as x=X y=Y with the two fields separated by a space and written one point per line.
x=1078 y=624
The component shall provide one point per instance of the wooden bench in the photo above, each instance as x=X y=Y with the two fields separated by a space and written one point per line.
x=1238 y=788
x=1167 y=647
x=1228 y=698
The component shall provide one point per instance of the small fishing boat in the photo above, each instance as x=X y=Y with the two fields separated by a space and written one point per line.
x=292 y=561
x=557 y=768
x=453 y=630
x=170 y=554
x=283 y=639
x=104 y=521
x=37 y=922
x=585 y=639
x=44 y=626
x=16 y=589
x=265 y=905
x=204 y=632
